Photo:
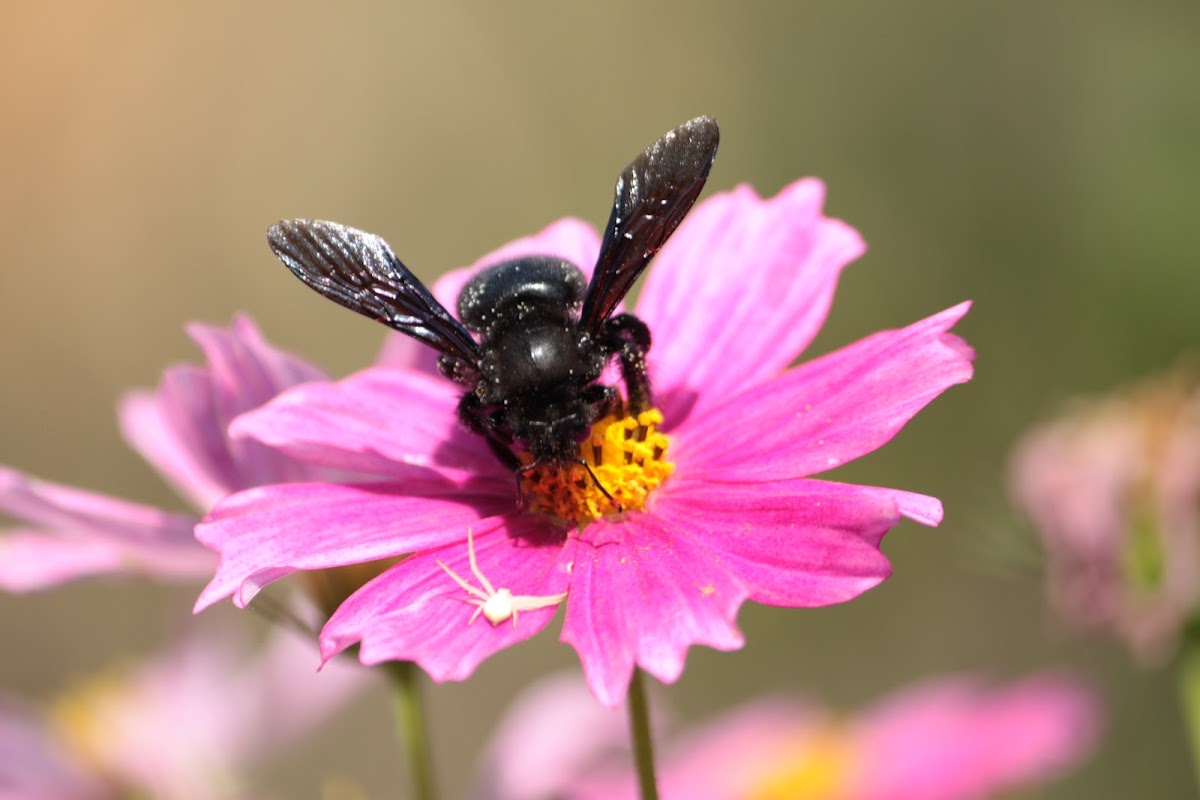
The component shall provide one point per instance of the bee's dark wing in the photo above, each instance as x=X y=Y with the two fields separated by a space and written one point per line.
x=358 y=270
x=653 y=195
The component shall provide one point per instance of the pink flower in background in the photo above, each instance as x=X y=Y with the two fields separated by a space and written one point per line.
x=944 y=740
x=553 y=733
x=1113 y=489
x=185 y=725
x=180 y=428
x=733 y=298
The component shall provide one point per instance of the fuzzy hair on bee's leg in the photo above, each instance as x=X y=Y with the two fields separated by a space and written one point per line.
x=629 y=338
x=477 y=418
x=602 y=401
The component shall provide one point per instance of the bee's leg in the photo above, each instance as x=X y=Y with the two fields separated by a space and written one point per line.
x=477 y=418
x=629 y=338
x=458 y=371
x=603 y=400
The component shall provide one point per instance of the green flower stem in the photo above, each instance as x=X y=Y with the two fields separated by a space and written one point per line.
x=1188 y=674
x=411 y=727
x=639 y=730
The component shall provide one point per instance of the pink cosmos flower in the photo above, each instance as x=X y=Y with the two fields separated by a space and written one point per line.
x=553 y=734
x=180 y=428
x=184 y=725
x=950 y=739
x=729 y=513
x=1113 y=490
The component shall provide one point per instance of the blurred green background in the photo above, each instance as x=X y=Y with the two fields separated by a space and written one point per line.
x=1039 y=158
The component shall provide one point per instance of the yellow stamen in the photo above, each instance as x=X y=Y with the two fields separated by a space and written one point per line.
x=104 y=722
x=83 y=716
x=820 y=768
x=628 y=457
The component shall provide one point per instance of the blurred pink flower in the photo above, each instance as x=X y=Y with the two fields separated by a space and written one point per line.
x=185 y=725
x=733 y=298
x=553 y=733
x=944 y=740
x=180 y=428
x=1113 y=489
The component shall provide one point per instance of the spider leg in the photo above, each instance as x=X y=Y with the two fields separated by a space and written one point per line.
x=534 y=602
x=483 y=581
x=474 y=591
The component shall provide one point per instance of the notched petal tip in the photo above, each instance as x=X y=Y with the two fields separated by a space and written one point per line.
x=829 y=411
x=789 y=256
x=643 y=593
x=417 y=611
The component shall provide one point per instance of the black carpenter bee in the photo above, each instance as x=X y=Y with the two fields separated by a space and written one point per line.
x=546 y=334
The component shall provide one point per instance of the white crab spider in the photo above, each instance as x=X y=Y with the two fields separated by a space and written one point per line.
x=496 y=605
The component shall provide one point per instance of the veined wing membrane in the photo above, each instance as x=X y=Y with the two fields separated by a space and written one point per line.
x=359 y=270
x=653 y=195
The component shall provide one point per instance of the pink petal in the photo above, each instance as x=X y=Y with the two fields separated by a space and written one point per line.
x=145 y=428
x=739 y=291
x=279 y=368
x=34 y=765
x=642 y=592
x=241 y=705
x=1096 y=483
x=176 y=429
x=83 y=533
x=826 y=412
x=953 y=739
x=416 y=612
x=404 y=352
x=721 y=759
x=247 y=372
x=571 y=239
x=949 y=740
x=31 y=561
x=381 y=421
x=181 y=427
x=568 y=238
x=236 y=706
x=287 y=697
x=145 y=746
x=799 y=543
x=267 y=533
x=551 y=734
x=66 y=508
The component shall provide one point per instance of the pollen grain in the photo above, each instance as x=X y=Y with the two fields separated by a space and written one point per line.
x=627 y=456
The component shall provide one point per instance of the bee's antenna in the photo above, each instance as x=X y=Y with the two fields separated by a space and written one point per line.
x=519 y=474
x=600 y=485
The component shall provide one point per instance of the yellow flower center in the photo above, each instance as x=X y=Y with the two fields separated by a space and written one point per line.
x=627 y=456
x=108 y=721
x=82 y=717
x=820 y=768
